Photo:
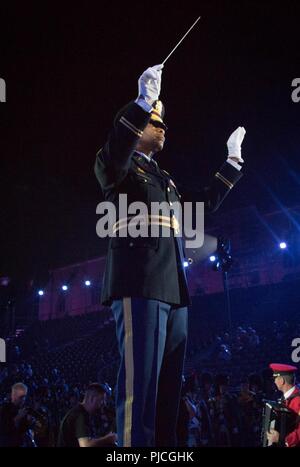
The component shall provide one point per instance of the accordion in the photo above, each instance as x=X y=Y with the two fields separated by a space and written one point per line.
x=277 y=417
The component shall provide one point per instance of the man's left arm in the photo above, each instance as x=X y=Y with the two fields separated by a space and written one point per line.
x=293 y=438
x=225 y=178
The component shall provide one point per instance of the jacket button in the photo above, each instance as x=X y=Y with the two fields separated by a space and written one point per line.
x=131 y=244
x=145 y=180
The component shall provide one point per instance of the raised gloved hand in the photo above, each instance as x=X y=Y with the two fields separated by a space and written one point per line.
x=234 y=144
x=150 y=83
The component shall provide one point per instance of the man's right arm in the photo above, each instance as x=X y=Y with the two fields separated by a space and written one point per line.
x=113 y=159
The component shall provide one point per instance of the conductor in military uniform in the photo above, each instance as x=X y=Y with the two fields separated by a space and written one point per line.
x=145 y=280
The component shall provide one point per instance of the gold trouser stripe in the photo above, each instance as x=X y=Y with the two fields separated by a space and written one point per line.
x=224 y=180
x=129 y=371
x=131 y=127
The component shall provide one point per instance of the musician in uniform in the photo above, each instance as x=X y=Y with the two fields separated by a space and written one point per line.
x=145 y=279
x=284 y=378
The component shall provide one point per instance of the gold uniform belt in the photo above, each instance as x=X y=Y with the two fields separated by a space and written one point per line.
x=165 y=221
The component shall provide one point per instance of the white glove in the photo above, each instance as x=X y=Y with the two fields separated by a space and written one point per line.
x=234 y=144
x=150 y=84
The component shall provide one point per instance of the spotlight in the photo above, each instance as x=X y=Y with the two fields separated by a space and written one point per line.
x=64 y=287
x=212 y=258
x=282 y=245
x=87 y=283
x=41 y=293
x=4 y=281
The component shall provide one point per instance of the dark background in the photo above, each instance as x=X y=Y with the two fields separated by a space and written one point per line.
x=69 y=67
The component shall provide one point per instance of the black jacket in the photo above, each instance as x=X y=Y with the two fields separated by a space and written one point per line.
x=146 y=267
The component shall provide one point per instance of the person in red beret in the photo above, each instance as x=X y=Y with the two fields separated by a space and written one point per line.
x=284 y=378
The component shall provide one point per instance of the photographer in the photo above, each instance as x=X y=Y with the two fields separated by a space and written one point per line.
x=15 y=419
x=76 y=428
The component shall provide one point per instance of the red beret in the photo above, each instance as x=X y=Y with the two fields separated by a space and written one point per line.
x=282 y=369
